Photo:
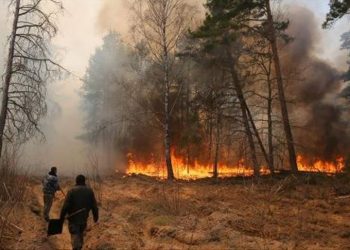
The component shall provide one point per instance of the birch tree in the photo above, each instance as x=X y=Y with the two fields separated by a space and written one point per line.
x=162 y=24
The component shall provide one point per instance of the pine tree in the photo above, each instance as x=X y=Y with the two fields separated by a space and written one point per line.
x=338 y=8
x=229 y=22
x=100 y=90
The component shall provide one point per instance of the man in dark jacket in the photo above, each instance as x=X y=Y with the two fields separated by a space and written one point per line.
x=50 y=186
x=78 y=203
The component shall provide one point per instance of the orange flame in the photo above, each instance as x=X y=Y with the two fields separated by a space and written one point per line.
x=321 y=166
x=188 y=172
x=197 y=170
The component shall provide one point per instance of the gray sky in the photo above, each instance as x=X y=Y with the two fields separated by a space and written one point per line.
x=81 y=29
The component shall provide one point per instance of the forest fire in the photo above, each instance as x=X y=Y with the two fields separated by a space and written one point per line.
x=184 y=171
x=328 y=167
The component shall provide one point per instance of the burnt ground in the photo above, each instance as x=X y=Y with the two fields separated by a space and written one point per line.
x=138 y=212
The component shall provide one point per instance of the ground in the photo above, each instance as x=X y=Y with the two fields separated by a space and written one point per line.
x=139 y=212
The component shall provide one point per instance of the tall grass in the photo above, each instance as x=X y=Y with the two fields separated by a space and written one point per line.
x=94 y=176
x=12 y=194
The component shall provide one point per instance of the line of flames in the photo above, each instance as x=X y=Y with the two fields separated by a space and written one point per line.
x=197 y=170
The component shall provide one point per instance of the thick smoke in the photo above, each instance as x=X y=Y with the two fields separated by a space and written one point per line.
x=114 y=15
x=314 y=85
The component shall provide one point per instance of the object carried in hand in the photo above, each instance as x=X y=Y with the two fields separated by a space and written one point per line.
x=55 y=226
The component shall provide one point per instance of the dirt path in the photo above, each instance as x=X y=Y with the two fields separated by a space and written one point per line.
x=29 y=217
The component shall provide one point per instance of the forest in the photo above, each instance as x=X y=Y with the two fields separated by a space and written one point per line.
x=217 y=124
x=238 y=93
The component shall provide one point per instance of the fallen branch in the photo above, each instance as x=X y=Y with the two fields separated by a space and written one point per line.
x=342 y=197
x=12 y=225
x=7 y=191
x=8 y=237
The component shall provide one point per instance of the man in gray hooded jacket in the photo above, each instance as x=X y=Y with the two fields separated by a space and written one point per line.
x=50 y=186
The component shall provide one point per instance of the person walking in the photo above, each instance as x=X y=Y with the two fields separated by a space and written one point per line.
x=50 y=187
x=77 y=205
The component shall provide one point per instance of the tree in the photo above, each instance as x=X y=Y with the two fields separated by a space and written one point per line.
x=103 y=98
x=105 y=101
x=278 y=71
x=263 y=60
x=338 y=8
x=220 y=34
x=29 y=67
x=117 y=99
x=162 y=24
x=248 y=19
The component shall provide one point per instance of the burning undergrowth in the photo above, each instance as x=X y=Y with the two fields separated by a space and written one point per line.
x=185 y=171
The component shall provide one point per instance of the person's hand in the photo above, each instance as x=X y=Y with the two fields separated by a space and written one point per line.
x=62 y=219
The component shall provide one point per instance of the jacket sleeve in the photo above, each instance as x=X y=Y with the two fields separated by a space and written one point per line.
x=66 y=206
x=44 y=181
x=94 y=207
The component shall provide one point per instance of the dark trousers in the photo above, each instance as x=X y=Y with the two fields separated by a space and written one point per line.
x=48 y=200
x=77 y=235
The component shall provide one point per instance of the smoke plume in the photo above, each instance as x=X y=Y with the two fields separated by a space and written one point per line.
x=314 y=87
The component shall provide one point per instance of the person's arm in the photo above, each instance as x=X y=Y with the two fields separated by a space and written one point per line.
x=44 y=181
x=94 y=207
x=66 y=206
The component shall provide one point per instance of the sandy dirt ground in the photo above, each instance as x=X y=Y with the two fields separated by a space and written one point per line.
x=138 y=212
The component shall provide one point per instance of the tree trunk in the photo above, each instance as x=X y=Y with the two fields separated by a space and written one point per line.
x=188 y=153
x=217 y=145
x=210 y=137
x=167 y=143
x=243 y=107
x=167 y=128
x=284 y=109
x=269 y=125
x=258 y=138
x=8 y=76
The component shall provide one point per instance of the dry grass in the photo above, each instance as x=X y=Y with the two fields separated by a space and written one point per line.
x=286 y=213
x=167 y=198
x=94 y=176
x=12 y=194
